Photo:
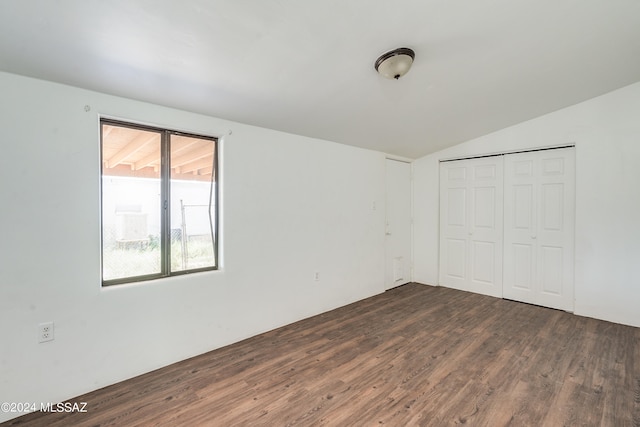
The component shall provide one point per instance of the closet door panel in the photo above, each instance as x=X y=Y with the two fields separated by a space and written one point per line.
x=522 y=266
x=551 y=262
x=456 y=250
x=471 y=225
x=453 y=225
x=538 y=227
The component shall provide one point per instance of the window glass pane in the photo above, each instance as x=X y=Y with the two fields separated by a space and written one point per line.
x=192 y=195
x=131 y=201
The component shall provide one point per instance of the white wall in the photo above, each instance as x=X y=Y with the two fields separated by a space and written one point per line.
x=291 y=206
x=606 y=132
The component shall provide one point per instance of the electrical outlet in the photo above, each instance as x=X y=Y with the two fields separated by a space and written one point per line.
x=316 y=276
x=45 y=332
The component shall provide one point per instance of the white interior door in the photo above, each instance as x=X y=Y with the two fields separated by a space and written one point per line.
x=471 y=233
x=398 y=224
x=539 y=227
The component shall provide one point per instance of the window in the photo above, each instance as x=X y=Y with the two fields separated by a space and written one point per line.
x=159 y=202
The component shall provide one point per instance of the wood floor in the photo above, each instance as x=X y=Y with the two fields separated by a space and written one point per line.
x=415 y=355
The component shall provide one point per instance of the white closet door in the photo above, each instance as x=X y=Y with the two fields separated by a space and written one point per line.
x=539 y=204
x=471 y=209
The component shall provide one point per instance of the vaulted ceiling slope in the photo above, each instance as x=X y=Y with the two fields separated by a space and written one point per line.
x=306 y=67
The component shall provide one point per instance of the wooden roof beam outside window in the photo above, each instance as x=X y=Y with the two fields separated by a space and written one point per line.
x=197 y=165
x=131 y=148
x=152 y=160
x=192 y=155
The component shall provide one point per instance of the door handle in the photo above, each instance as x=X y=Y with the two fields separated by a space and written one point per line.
x=533 y=237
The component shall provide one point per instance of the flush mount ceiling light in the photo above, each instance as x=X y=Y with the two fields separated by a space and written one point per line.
x=396 y=63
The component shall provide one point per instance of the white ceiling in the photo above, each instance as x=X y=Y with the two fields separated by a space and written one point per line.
x=306 y=67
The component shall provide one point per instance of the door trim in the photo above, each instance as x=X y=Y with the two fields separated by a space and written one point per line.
x=504 y=153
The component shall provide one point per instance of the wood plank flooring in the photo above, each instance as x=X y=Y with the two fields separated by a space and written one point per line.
x=413 y=356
